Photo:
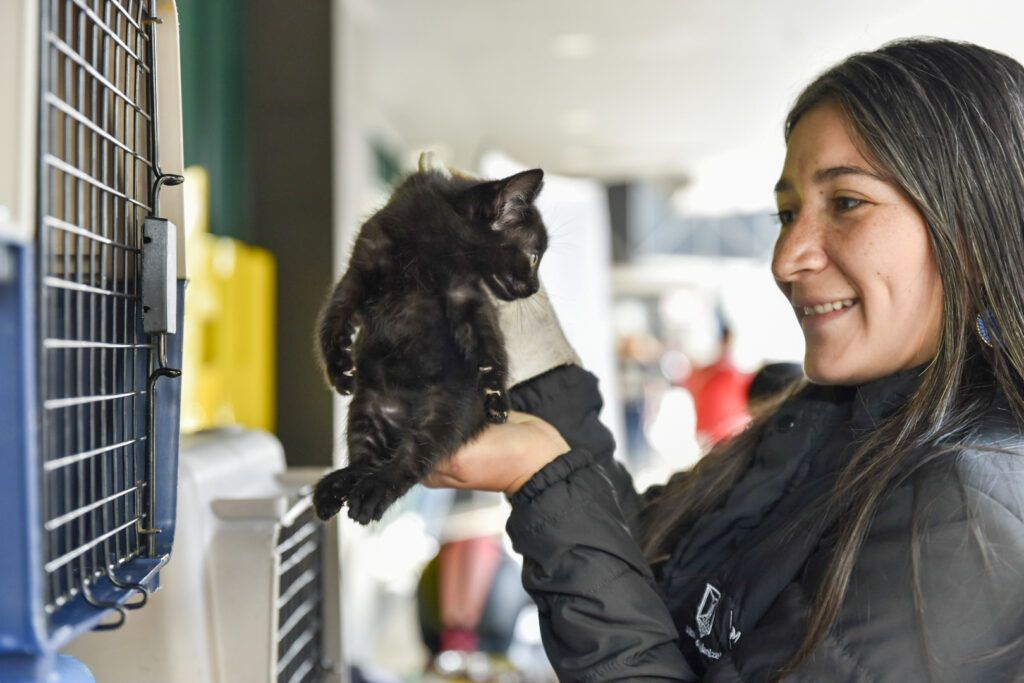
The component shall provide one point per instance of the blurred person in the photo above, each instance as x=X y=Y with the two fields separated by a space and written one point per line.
x=870 y=526
x=720 y=393
x=469 y=596
x=637 y=355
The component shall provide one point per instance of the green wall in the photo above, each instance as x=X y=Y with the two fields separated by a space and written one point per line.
x=256 y=91
x=213 y=59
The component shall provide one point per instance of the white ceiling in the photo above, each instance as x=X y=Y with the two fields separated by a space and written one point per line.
x=671 y=89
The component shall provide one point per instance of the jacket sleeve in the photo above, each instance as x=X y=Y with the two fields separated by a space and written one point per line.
x=602 y=618
x=967 y=620
x=568 y=397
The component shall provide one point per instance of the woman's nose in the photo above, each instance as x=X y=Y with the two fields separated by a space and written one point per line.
x=799 y=250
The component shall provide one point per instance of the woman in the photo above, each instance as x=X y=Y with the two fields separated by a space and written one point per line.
x=870 y=525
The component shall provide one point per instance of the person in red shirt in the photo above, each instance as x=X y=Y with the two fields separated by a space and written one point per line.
x=720 y=395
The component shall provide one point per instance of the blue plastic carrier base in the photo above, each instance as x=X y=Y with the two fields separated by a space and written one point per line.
x=54 y=588
x=53 y=669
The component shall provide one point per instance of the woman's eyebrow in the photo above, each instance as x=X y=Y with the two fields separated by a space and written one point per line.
x=831 y=173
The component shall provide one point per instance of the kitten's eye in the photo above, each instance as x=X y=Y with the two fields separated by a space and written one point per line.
x=534 y=260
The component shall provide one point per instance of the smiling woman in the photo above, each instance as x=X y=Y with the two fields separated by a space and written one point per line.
x=854 y=258
x=868 y=525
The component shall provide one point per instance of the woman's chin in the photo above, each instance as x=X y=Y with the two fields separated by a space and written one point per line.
x=820 y=371
x=842 y=374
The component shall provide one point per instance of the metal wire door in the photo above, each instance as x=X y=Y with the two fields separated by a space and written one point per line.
x=96 y=151
x=300 y=597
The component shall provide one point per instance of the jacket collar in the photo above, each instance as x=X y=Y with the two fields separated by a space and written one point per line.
x=878 y=399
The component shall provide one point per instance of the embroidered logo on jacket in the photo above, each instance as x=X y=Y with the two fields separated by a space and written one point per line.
x=705 y=619
x=706 y=610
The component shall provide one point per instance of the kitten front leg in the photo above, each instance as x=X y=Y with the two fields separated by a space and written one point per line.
x=493 y=368
x=479 y=338
x=338 y=329
x=495 y=395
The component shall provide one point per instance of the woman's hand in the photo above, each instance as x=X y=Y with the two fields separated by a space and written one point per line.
x=502 y=458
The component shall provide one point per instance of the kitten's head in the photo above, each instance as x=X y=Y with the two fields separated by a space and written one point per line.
x=508 y=231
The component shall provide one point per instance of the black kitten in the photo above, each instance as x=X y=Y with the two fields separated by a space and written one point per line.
x=428 y=368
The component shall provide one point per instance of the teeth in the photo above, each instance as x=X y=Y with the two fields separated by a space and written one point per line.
x=818 y=309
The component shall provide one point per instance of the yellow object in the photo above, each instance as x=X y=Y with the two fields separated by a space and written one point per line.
x=228 y=375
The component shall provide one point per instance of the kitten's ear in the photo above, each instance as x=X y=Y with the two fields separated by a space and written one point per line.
x=514 y=194
x=498 y=203
x=521 y=187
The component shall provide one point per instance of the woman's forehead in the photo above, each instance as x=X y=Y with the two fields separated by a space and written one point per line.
x=821 y=148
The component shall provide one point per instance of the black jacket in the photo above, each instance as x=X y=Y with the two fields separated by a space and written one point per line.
x=731 y=603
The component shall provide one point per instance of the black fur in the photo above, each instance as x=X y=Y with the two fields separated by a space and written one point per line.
x=428 y=368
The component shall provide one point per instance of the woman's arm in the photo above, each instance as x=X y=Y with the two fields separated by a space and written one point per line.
x=602 y=618
x=569 y=399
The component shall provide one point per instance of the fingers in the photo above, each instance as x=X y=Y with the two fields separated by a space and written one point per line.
x=437 y=479
x=446 y=474
x=515 y=417
x=500 y=456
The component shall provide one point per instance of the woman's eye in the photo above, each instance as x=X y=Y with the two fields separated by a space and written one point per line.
x=847 y=203
x=785 y=216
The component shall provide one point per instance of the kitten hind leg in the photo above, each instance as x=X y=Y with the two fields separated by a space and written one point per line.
x=440 y=423
x=379 y=476
x=332 y=491
x=368 y=492
x=371 y=421
x=373 y=494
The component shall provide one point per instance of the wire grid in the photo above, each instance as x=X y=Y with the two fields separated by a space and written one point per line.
x=300 y=595
x=95 y=153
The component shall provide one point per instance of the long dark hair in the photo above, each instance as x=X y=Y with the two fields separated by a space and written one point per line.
x=944 y=122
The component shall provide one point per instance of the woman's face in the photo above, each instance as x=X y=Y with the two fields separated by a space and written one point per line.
x=854 y=259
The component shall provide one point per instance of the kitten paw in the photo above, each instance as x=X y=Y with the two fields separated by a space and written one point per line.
x=341 y=371
x=374 y=496
x=331 y=492
x=344 y=382
x=338 y=360
x=370 y=505
x=497 y=404
x=366 y=495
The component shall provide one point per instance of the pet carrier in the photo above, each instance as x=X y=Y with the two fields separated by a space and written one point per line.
x=91 y=284
x=252 y=592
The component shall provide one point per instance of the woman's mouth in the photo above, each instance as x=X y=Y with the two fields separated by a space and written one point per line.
x=816 y=314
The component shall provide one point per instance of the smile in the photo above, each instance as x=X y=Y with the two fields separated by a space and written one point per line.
x=819 y=309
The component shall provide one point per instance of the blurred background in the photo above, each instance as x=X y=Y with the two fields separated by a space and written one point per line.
x=659 y=126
